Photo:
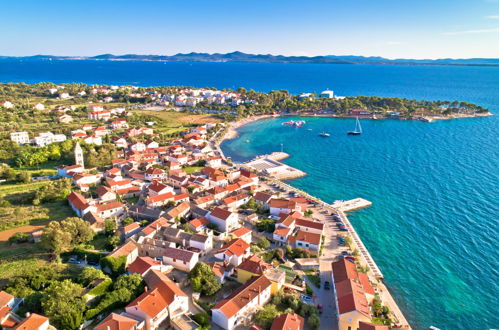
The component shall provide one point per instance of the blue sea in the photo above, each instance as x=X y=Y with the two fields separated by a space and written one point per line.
x=433 y=225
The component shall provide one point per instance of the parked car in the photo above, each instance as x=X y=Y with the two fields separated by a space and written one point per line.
x=320 y=308
x=327 y=285
x=74 y=260
x=346 y=253
x=350 y=258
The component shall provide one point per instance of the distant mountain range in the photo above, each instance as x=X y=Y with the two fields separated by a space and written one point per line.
x=262 y=58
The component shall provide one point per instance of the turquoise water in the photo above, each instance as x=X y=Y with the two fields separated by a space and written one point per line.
x=433 y=226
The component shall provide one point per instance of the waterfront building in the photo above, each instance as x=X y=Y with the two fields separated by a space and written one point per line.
x=327 y=94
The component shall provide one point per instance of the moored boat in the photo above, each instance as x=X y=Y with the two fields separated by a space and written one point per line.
x=358 y=128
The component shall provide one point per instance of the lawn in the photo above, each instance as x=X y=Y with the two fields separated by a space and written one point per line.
x=192 y=169
x=20 y=251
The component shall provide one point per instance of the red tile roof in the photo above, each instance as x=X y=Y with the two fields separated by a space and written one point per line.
x=351 y=297
x=116 y=322
x=5 y=298
x=220 y=213
x=131 y=227
x=310 y=224
x=198 y=222
x=124 y=250
x=160 y=198
x=307 y=237
x=239 y=232
x=78 y=201
x=32 y=322
x=282 y=204
x=150 y=302
x=179 y=254
x=168 y=289
x=236 y=246
x=242 y=296
x=344 y=270
x=254 y=265
x=142 y=264
x=109 y=206
x=288 y=322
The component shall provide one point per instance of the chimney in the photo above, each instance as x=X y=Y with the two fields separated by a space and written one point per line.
x=145 y=288
x=28 y=314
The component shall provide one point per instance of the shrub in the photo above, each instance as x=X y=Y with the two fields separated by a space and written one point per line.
x=19 y=238
x=113 y=266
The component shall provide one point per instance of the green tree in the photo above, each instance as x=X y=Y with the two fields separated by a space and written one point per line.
x=127 y=221
x=55 y=238
x=63 y=304
x=19 y=237
x=203 y=279
x=109 y=226
x=314 y=322
x=113 y=241
x=113 y=266
x=23 y=177
x=266 y=316
x=80 y=230
x=263 y=243
x=90 y=274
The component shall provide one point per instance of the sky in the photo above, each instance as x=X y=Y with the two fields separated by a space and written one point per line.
x=390 y=28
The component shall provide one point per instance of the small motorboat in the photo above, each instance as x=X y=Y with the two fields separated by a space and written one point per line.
x=324 y=134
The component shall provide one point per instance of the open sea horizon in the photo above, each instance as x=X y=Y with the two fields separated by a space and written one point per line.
x=433 y=225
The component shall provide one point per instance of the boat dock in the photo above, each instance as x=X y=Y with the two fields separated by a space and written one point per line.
x=341 y=208
x=270 y=166
x=351 y=205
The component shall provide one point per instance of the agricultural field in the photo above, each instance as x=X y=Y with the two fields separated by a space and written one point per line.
x=16 y=210
x=175 y=121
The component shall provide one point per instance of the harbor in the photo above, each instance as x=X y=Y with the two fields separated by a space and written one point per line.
x=340 y=208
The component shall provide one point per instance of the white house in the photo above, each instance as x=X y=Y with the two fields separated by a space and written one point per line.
x=233 y=252
x=19 y=137
x=202 y=242
x=180 y=259
x=242 y=303
x=224 y=219
x=154 y=173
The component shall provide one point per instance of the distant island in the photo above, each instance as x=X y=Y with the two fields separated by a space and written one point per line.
x=268 y=58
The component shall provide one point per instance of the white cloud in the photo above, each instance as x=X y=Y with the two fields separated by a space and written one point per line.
x=492 y=17
x=471 y=32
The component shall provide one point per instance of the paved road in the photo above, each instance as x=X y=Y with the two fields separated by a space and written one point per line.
x=329 y=318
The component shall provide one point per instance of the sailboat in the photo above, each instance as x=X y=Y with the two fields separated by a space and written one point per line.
x=358 y=128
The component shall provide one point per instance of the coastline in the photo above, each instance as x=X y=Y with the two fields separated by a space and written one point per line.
x=384 y=292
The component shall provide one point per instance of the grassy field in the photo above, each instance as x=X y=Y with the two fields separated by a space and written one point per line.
x=174 y=121
x=16 y=188
x=15 y=216
x=20 y=251
x=18 y=214
x=9 y=269
x=192 y=169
